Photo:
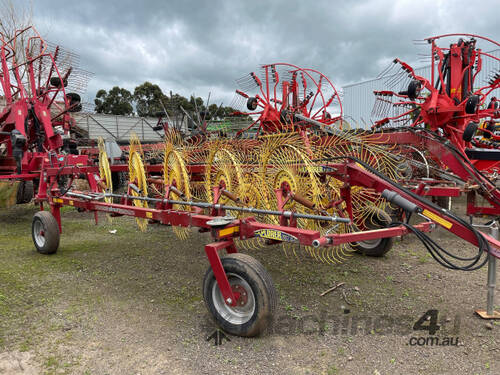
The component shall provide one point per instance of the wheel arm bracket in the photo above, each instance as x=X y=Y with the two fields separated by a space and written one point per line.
x=220 y=275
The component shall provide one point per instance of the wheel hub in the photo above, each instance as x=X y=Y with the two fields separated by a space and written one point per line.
x=240 y=294
x=244 y=309
x=39 y=233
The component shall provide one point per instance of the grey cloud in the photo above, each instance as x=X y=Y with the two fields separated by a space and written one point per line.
x=196 y=46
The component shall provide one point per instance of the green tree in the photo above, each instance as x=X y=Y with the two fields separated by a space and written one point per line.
x=148 y=99
x=117 y=101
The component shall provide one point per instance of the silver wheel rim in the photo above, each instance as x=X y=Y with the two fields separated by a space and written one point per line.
x=239 y=314
x=370 y=244
x=39 y=233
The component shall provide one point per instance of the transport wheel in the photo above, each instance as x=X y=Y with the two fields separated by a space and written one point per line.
x=256 y=301
x=24 y=192
x=444 y=202
x=252 y=104
x=45 y=232
x=74 y=102
x=380 y=246
x=470 y=131
x=20 y=193
x=56 y=82
x=472 y=104
x=28 y=192
x=414 y=89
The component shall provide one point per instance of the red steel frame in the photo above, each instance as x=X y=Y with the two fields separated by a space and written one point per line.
x=245 y=228
x=462 y=170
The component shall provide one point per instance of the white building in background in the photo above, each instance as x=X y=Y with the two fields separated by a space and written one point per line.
x=118 y=128
x=358 y=100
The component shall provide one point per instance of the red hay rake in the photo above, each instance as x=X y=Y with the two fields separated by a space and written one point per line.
x=302 y=180
x=283 y=92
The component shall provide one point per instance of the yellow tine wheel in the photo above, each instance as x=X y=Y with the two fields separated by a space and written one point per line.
x=222 y=169
x=284 y=166
x=137 y=176
x=105 y=171
x=175 y=174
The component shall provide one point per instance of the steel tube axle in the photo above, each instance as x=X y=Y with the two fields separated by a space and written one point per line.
x=216 y=206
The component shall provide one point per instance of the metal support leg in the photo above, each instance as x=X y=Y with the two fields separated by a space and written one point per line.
x=490 y=312
x=492 y=275
x=56 y=212
x=218 y=270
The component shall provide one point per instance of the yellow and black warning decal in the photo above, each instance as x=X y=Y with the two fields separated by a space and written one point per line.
x=228 y=231
x=438 y=219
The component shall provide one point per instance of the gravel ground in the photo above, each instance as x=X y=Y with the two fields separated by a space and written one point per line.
x=131 y=303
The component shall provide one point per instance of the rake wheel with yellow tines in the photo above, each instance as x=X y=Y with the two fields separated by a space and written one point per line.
x=106 y=181
x=137 y=177
x=224 y=172
x=176 y=180
x=369 y=209
x=105 y=171
x=231 y=178
x=293 y=181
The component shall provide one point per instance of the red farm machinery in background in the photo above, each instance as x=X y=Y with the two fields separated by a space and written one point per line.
x=449 y=119
x=36 y=120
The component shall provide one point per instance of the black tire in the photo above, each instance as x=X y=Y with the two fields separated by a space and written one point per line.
x=76 y=108
x=379 y=247
x=20 y=193
x=470 y=131
x=24 y=192
x=444 y=202
x=160 y=114
x=73 y=148
x=247 y=274
x=56 y=82
x=414 y=89
x=45 y=232
x=472 y=104
x=252 y=104
x=28 y=192
x=74 y=102
x=73 y=97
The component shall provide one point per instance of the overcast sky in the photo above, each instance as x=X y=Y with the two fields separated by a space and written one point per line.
x=201 y=46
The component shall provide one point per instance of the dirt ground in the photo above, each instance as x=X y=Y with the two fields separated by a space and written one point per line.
x=131 y=303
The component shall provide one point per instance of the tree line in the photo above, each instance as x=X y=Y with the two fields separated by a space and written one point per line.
x=148 y=100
